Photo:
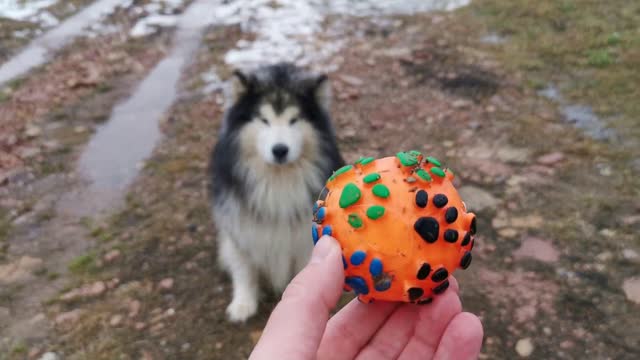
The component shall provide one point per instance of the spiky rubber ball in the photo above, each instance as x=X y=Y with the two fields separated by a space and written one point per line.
x=401 y=224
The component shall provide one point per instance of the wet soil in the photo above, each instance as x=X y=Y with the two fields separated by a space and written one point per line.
x=557 y=208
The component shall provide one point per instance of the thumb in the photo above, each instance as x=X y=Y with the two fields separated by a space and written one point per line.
x=296 y=325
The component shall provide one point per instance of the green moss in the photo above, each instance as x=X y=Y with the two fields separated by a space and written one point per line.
x=83 y=264
x=590 y=49
x=599 y=58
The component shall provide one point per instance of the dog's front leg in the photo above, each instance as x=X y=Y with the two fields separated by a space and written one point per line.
x=244 y=279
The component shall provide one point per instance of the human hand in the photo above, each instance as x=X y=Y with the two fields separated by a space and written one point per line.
x=300 y=328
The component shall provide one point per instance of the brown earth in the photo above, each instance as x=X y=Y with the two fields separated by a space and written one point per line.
x=558 y=213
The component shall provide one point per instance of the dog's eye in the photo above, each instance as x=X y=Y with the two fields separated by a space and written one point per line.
x=264 y=120
x=293 y=121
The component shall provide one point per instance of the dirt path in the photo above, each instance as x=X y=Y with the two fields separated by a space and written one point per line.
x=556 y=267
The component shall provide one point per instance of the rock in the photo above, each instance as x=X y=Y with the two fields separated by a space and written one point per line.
x=461 y=104
x=604 y=256
x=69 y=318
x=609 y=233
x=49 y=356
x=631 y=288
x=38 y=319
x=524 y=347
x=630 y=254
x=20 y=270
x=527 y=222
x=80 y=129
x=477 y=199
x=139 y=325
x=29 y=152
x=538 y=249
x=627 y=220
x=351 y=80
x=134 y=308
x=34 y=352
x=551 y=158
x=566 y=344
x=116 y=320
x=508 y=233
x=87 y=291
x=513 y=155
x=32 y=131
x=165 y=284
x=51 y=145
x=112 y=255
x=5 y=315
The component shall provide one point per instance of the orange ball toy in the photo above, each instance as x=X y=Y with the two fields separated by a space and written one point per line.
x=401 y=224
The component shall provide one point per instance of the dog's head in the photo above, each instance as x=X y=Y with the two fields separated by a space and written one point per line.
x=278 y=111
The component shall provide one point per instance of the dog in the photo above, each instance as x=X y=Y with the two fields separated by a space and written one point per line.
x=275 y=150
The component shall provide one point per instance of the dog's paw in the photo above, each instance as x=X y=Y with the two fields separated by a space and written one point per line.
x=241 y=309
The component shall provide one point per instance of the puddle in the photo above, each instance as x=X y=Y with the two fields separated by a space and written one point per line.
x=580 y=116
x=37 y=52
x=493 y=39
x=292 y=30
x=551 y=93
x=114 y=155
x=586 y=120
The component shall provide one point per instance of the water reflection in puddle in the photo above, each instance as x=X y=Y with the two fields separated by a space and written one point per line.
x=580 y=116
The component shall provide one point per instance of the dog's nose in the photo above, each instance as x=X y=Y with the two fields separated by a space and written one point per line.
x=280 y=152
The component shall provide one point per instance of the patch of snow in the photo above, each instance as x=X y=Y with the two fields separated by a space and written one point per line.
x=161 y=13
x=292 y=30
x=148 y=25
x=23 y=10
x=33 y=11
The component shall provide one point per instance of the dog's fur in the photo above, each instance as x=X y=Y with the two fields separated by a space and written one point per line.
x=262 y=204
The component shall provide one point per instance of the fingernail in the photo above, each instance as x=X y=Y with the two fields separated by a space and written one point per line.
x=323 y=248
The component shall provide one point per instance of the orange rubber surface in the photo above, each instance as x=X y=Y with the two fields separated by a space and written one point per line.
x=401 y=224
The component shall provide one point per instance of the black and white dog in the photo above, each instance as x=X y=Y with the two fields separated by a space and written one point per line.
x=275 y=151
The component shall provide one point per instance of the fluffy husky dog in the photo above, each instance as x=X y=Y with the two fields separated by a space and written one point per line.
x=275 y=150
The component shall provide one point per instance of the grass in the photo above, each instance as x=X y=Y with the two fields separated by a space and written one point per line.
x=83 y=264
x=5 y=228
x=591 y=48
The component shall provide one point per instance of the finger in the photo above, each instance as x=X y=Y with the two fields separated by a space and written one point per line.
x=453 y=285
x=296 y=325
x=389 y=341
x=432 y=321
x=352 y=327
x=462 y=339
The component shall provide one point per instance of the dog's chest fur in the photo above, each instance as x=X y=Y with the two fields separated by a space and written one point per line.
x=271 y=225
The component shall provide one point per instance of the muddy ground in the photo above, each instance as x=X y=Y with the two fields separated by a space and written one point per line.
x=531 y=106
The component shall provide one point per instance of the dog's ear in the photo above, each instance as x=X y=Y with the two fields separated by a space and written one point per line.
x=321 y=88
x=241 y=84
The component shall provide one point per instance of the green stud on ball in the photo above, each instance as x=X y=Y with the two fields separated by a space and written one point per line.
x=355 y=221
x=434 y=161
x=350 y=195
x=373 y=177
x=375 y=212
x=407 y=159
x=423 y=175
x=437 y=171
x=381 y=191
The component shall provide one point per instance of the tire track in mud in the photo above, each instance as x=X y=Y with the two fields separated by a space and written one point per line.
x=38 y=51
x=48 y=246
